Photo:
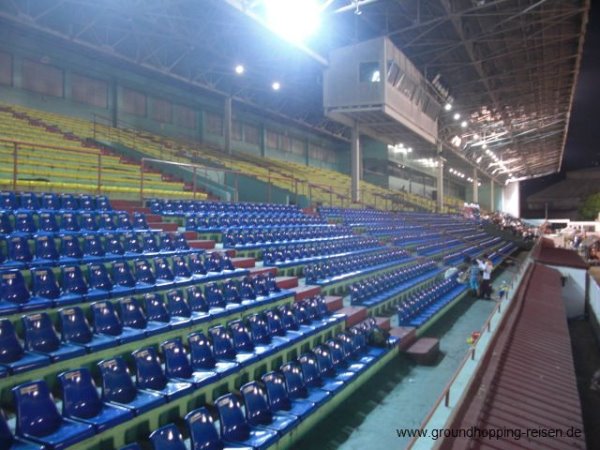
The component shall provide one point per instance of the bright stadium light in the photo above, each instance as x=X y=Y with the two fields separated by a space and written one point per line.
x=464 y=124
x=276 y=85
x=456 y=116
x=239 y=69
x=294 y=20
x=448 y=106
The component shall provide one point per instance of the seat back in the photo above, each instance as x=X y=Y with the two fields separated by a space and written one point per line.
x=18 y=249
x=277 y=394
x=257 y=408
x=68 y=202
x=180 y=242
x=24 y=222
x=29 y=201
x=324 y=360
x=8 y=201
x=117 y=385
x=240 y=333
x=149 y=373
x=259 y=329
x=79 y=395
x=87 y=202
x=13 y=288
x=10 y=347
x=113 y=244
x=123 y=221
x=233 y=423
x=222 y=342
x=92 y=245
x=131 y=244
x=143 y=272
x=121 y=274
x=74 y=326
x=180 y=268
x=139 y=221
x=5 y=223
x=48 y=222
x=231 y=292
x=196 y=299
x=149 y=243
x=163 y=270
x=167 y=438
x=39 y=333
x=177 y=364
x=69 y=247
x=106 y=221
x=310 y=370
x=294 y=380
x=102 y=203
x=37 y=414
x=98 y=277
x=177 y=304
x=201 y=352
x=274 y=323
x=132 y=314
x=167 y=243
x=288 y=319
x=105 y=319
x=196 y=264
x=50 y=202
x=72 y=280
x=203 y=433
x=89 y=221
x=44 y=283
x=214 y=295
x=156 y=309
x=337 y=352
x=69 y=221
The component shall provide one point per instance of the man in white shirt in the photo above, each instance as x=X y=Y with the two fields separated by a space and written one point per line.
x=486 y=268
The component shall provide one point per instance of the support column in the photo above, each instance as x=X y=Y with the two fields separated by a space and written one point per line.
x=475 y=186
x=227 y=124
x=492 y=196
x=440 y=185
x=355 y=163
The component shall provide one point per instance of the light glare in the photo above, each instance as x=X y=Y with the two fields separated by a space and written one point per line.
x=276 y=85
x=294 y=20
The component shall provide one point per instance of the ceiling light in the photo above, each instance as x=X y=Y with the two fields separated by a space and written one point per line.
x=464 y=124
x=276 y=85
x=294 y=20
x=456 y=116
x=239 y=69
x=447 y=106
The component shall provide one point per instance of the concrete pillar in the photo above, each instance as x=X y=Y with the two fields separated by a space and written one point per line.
x=492 y=196
x=227 y=124
x=475 y=186
x=355 y=163
x=440 y=185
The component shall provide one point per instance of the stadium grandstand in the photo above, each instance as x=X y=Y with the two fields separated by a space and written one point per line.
x=272 y=224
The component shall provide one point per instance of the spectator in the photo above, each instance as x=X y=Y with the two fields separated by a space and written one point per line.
x=486 y=267
x=474 y=277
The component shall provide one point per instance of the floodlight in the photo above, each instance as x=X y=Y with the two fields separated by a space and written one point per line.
x=276 y=85
x=239 y=69
x=456 y=116
x=448 y=106
x=464 y=124
x=294 y=20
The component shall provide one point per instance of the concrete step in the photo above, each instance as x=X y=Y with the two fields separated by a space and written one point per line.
x=255 y=271
x=243 y=263
x=302 y=292
x=407 y=335
x=202 y=243
x=334 y=302
x=286 y=282
x=170 y=227
x=354 y=314
x=425 y=351
x=190 y=235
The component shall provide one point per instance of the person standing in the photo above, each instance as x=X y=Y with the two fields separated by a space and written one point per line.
x=474 y=277
x=486 y=268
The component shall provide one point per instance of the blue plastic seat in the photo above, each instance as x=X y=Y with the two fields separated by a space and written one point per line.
x=180 y=242
x=204 y=434
x=258 y=413
x=50 y=202
x=261 y=336
x=107 y=221
x=202 y=357
x=48 y=223
x=99 y=283
x=75 y=329
x=279 y=399
x=312 y=374
x=150 y=376
x=158 y=312
x=178 y=306
x=197 y=265
x=41 y=337
x=82 y=402
x=146 y=280
x=87 y=202
x=123 y=222
x=235 y=428
x=133 y=316
x=10 y=442
x=297 y=388
x=167 y=244
x=118 y=388
x=198 y=303
x=14 y=294
x=29 y=201
x=149 y=244
x=69 y=222
x=73 y=284
x=183 y=276
x=38 y=418
x=102 y=203
x=242 y=340
x=24 y=223
x=19 y=254
x=45 y=250
x=6 y=227
x=88 y=221
x=167 y=438
x=139 y=221
x=164 y=274
x=44 y=289
x=8 y=201
x=131 y=244
x=178 y=366
x=12 y=355
x=70 y=251
x=93 y=250
x=124 y=282
x=113 y=246
x=106 y=322
x=68 y=202
x=224 y=347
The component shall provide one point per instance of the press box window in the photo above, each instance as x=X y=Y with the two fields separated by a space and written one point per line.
x=369 y=72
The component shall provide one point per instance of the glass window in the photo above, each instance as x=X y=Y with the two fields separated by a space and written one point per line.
x=369 y=72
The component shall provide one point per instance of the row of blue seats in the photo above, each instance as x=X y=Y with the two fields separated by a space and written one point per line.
x=339 y=268
x=67 y=249
x=294 y=253
x=460 y=255
x=147 y=275
x=314 y=378
x=32 y=201
x=378 y=230
x=205 y=223
x=376 y=289
x=166 y=207
x=261 y=237
x=409 y=238
x=28 y=223
x=425 y=303
x=437 y=246
x=499 y=255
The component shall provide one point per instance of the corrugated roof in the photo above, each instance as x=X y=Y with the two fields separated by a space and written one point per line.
x=561 y=257
x=529 y=380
